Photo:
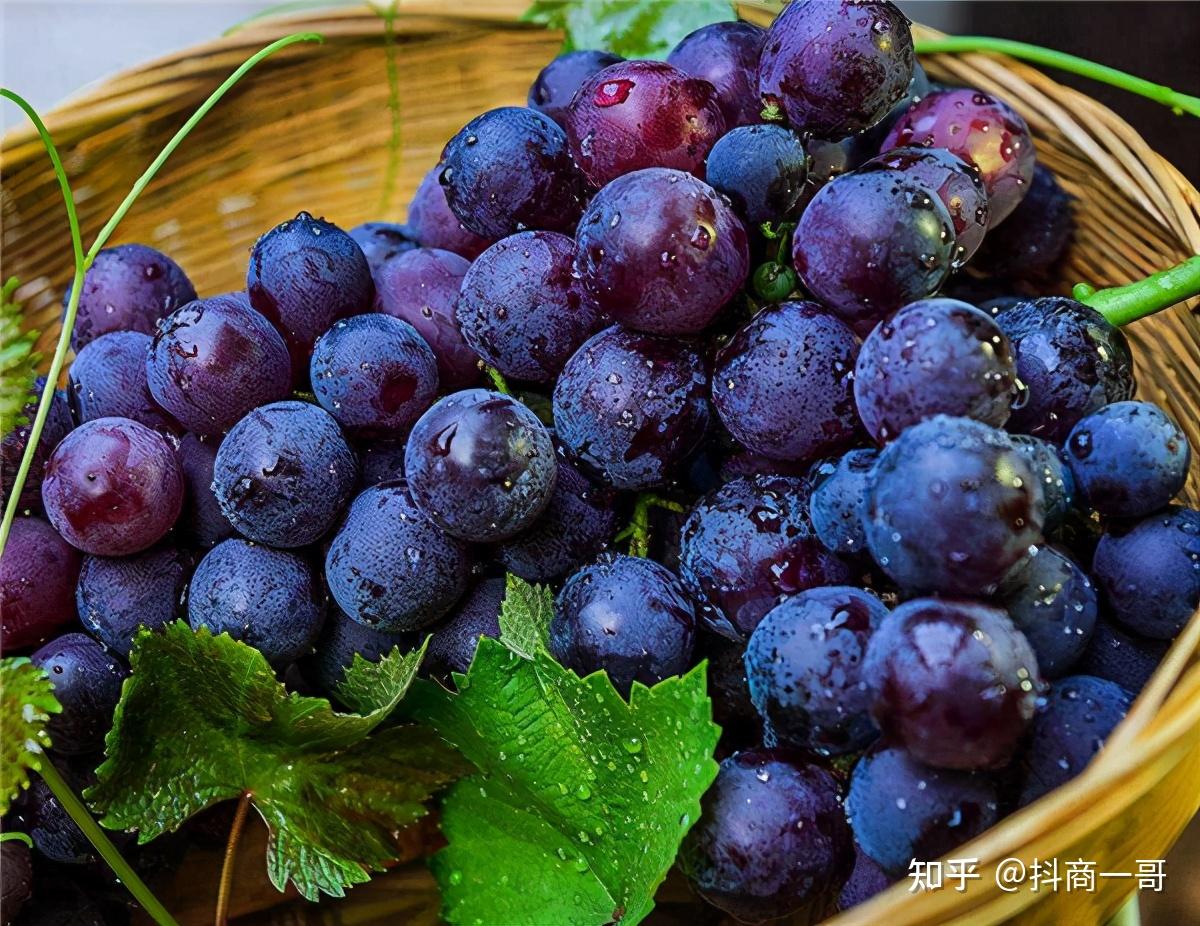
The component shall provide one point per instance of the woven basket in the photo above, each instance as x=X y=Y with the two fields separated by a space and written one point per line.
x=313 y=128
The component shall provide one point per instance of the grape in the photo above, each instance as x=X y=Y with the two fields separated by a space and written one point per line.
x=1071 y=360
x=726 y=55
x=955 y=682
x=557 y=82
x=379 y=461
x=762 y=169
x=804 y=666
x=430 y=219
x=269 y=599
x=1149 y=572
x=640 y=114
x=87 y=683
x=390 y=567
x=747 y=463
x=1035 y=236
x=957 y=184
x=1053 y=602
x=733 y=711
x=12 y=448
x=835 y=69
x=452 y=645
x=508 y=170
x=577 y=524
x=783 y=384
x=213 y=361
x=1127 y=659
x=771 y=839
x=918 y=87
x=421 y=287
x=869 y=243
x=202 y=521
x=951 y=507
x=901 y=810
x=304 y=275
x=283 y=474
x=625 y=615
x=56 y=837
x=1128 y=459
x=629 y=406
x=748 y=546
x=1071 y=726
x=128 y=288
x=661 y=251
x=69 y=904
x=865 y=881
x=934 y=357
x=829 y=159
x=521 y=307
x=381 y=241
x=113 y=487
x=108 y=380
x=374 y=374
x=838 y=489
x=481 y=465
x=1058 y=485
x=341 y=639
x=16 y=888
x=117 y=595
x=38 y=570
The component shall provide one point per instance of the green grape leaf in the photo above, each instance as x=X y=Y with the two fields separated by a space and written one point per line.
x=525 y=616
x=374 y=689
x=582 y=798
x=26 y=703
x=18 y=362
x=203 y=719
x=632 y=28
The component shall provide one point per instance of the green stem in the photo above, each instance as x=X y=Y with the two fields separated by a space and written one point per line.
x=637 y=532
x=1178 y=102
x=1124 y=304
x=97 y=837
x=16 y=836
x=499 y=383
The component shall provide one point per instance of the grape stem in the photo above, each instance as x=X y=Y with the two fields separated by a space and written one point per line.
x=637 y=531
x=1124 y=304
x=499 y=383
x=16 y=836
x=225 y=886
x=74 y=807
x=1179 y=103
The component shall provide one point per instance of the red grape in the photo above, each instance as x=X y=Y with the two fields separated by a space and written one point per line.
x=435 y=226
x=38 y=570
x=726 y=55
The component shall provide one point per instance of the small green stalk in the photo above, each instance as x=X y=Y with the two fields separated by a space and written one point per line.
x=499 y=383
x=1124 y=304
x=74 y=807
x=637 y=532
x=16 y=836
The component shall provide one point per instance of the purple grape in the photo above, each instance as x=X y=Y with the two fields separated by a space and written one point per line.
x=521 y=307
x=202 y=521
x=934 y=357
x=835 y=69
x=748 y=546
x=38 y=570
x=957 y=184
x=1127 y=659
x=12 y=448
x=783 y=385
x=108 y=380
x=985 y=132
x=304 y=275
x=556 y=83
x=640 y=114
x=865 y=881
x=17 y=886
x=869 y=243
x=508 y=170
x=733 y=711
x=1058 y=485
x=1149 y=572
x=762 y=169
x=390 y=567
x=830 y=159
x=1035 y=236
x=951 y=507
x=421 y=287
x=87 y=683
x=627 y=616
x=379 y=461
x=838 y=489
x=59 y=840
x=1070 y=727
x=341 y=639
x=771 y=840
x=726 y=55
x=661 y=251
x=747 y=463
x=804 y=666
x=918 y=87
x=283 y=474
x=630 y=407
x=118 y=595
x=113 y=487
x=214 y=360
x=128 y=288
x=1071 y=360
x=452 y=645
x=901 y=810
x=268 y=599
x=436 y=227
x=1128 y=459
x=381 y=241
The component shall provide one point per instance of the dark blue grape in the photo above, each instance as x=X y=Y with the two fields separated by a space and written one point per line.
x=268 y=599
x=435 y=226
x=726 y=55
x=838 y=489
x=87 y=683
x=625 y=615
x=804 y=666
x=108 y=380
x=1035 y=235
x=1058 y=485
x=865 y=881
x=733 y=711
x=283 y=474
x=1124 y=658
x=381 y=241
x=12 y=448
x=762 y=169
x=1128 y=459
x=59 y=839
x=117 y=595
x=202 y=522
x=379 y=461
x=452 y=645
x=556 y=83
x=341 y=639
x=38 y=570
x=390 y=567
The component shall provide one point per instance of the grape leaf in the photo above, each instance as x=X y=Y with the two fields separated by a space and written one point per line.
x=525 y=616
x=203 y=719
x=583 y=798
x=26 y=703
x=373 y=689
x=632 y=28
x=18 y=362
